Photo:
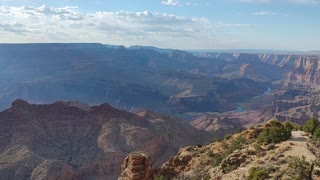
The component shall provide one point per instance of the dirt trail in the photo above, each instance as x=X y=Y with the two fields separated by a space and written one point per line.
x=298 y=146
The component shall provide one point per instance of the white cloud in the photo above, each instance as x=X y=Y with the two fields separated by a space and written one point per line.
x=180 y=3
x=263 y=13
x=12 y=27
x=170 y=2
x=69 y=24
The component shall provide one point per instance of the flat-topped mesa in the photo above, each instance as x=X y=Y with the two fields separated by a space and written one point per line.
x=136 y=166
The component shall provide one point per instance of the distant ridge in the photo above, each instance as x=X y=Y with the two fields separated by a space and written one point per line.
x=166 y=50
x=258 y=51
x=55 y=45
x=161 y=50
x=30 y=44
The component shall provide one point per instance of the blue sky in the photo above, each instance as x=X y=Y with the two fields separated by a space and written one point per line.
x=181 y=24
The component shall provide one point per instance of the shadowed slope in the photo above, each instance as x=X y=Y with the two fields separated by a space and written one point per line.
x=62 y=140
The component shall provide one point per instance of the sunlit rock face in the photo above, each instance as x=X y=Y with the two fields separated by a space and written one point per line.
x=137 y=166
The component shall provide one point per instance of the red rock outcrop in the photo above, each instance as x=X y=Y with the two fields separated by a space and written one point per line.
x=136 y=166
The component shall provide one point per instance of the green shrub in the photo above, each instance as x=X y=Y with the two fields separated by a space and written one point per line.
x=216 y=160
x=216 y=139
x=316 y=133
x=226 y=153
x=258 y=173
x=288 y=126
x=274 y=123
x=239 y=130
x=299 y=168
x=227 y=136
x=258 y=149
x=160 y=178
x=300 y=128
x=238 y=143
x=310 y=125
x=274 y=132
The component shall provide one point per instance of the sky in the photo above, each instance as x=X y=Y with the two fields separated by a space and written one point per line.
x=178 y=24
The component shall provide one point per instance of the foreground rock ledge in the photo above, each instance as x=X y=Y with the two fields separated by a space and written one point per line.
x=136 y=166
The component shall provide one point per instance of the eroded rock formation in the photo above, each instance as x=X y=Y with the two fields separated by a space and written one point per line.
x=136 y=166
x=68 y=140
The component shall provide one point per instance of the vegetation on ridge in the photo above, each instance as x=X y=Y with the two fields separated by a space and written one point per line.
x=312 y=126
x=274 y=132
x=274 y=150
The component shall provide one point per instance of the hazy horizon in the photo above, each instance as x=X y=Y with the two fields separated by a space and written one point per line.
x=235 y=50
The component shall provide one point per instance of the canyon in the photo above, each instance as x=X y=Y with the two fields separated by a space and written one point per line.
x=87 y=106
x=136 y=78
x=68 y=140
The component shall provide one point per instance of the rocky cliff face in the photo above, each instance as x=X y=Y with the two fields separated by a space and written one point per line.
x=297 y=68
x=136 y=166
x=293 y=104
x=68 y=140
x=305 y=70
